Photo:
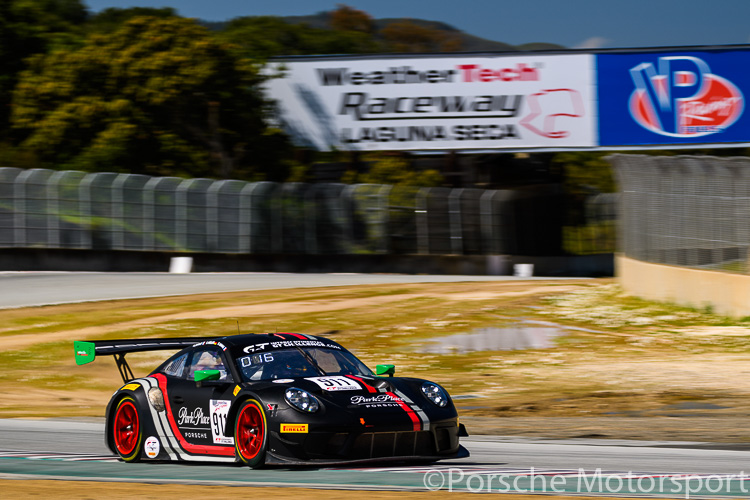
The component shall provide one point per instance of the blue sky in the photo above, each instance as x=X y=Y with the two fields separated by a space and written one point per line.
x=571 y=23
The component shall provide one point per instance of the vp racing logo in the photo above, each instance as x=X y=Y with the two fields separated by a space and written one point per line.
x=682 y=98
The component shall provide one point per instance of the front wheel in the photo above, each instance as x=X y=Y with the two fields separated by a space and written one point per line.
x=126 y=430
x=250 y=434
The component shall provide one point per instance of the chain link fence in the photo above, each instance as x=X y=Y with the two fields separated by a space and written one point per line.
x=74 y=210
x=685 y=210
x=598 y=233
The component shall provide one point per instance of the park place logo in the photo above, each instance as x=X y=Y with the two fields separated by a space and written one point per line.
x=682 y=98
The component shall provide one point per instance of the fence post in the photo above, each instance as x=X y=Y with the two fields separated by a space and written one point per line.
x=454 y=216
x=181 y=216
x=278 y=228
x=246 y=217
x=422 y=220
x=487 y=223
x=149 y=214
x=19 y=207
x=212 y=215
x=384 y=205
x=310 y=205
x=84 y=203
x=53 y=209
x=118 y=212
x=8 y=181
x=346 y=202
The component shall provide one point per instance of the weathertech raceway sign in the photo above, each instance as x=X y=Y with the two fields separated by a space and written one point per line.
x=438 y=103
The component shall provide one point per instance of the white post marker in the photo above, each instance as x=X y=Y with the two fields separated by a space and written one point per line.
x=523 y=270
x=180 y=265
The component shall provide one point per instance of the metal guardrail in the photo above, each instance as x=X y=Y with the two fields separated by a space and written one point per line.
x=685 y=210
x=69 y=209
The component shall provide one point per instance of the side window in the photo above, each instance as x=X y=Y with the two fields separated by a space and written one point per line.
x=176 y=367
x=206 y=359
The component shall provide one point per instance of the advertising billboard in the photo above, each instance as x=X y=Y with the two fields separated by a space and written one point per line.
x=517 y=102
x=673 y=98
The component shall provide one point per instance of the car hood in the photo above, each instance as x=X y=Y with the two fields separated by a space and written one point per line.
x=361 y=393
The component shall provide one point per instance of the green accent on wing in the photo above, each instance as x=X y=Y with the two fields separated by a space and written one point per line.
x=389 y=370
x=85 y=352
x=201 y=375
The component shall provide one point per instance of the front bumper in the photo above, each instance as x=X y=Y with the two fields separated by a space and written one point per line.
x=334 y=445
x=273 y=459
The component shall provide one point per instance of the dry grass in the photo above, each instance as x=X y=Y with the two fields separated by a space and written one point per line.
x=621 y=358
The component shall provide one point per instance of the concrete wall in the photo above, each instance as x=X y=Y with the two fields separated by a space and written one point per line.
x=42 y=259
x=725 y=293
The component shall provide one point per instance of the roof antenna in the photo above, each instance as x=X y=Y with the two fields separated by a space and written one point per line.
x=238 y=327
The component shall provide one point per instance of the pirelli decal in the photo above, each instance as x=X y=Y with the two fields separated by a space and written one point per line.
x=294 y=428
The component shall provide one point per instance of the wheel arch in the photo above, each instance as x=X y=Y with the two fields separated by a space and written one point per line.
x=235 y=408
x=141 y=401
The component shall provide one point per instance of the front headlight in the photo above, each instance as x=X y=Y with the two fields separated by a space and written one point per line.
x=302 y=400
x=435 y=393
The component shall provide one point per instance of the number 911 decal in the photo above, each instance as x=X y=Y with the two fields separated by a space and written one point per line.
x=335 y=383
x=219 y=411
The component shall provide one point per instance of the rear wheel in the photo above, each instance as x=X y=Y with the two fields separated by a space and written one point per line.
x=250 y=434
x=126 y=430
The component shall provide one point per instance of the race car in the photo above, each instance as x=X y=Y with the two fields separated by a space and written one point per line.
x=280 y=398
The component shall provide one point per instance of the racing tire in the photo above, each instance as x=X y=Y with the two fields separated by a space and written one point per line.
x=127 y=432
x=251 y=434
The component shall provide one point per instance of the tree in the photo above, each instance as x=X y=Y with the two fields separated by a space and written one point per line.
x=586 y=173
x=346 y=18
x=111 y=19
x=395 y=169
x=159 y=96
x=407 y=36
x=30 y=27
x=267 y=36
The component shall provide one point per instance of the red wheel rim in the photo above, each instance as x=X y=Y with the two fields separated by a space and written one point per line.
x=250 y=432
x=126 y=428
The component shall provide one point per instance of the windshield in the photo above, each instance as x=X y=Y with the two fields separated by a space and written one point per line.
x=291 y=363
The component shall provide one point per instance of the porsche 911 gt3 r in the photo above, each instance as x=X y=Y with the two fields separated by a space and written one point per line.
x=272 y=399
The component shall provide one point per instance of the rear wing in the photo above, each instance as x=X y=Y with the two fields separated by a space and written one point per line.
x=86 y=351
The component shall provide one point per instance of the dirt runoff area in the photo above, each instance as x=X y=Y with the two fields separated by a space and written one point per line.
x=620 y=368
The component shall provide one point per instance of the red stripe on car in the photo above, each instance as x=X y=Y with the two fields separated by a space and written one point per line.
x=369 y=388
x=412 y=414
x=295 y=335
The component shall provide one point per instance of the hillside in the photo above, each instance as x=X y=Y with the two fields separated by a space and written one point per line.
x=468 y=42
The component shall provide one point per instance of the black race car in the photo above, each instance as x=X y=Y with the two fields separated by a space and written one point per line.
x=281 y=398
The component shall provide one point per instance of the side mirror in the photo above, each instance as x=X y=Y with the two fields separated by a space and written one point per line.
x=205 y=375
x=389 y=370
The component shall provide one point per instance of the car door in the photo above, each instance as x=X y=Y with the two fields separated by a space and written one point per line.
x=200 y=408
